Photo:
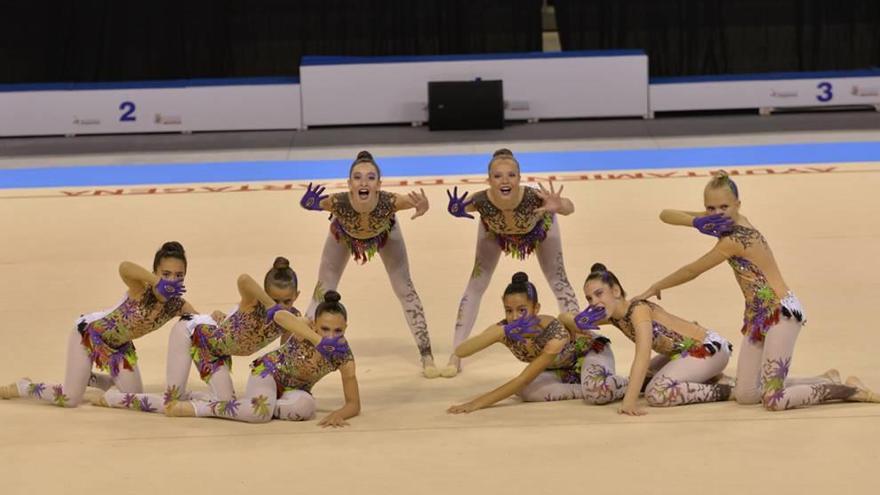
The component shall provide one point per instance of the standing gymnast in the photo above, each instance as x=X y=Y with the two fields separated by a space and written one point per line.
x=517 y=221
x=556 y=359
x=104 y=339
x=773 y=314
x=688 y=355
x=211 y=345
x=281 y=381
x=364 y=223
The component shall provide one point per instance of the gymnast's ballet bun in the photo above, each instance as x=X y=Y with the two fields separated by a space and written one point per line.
x=520 y=278
x=364 y=155
x=502 y=152
x=172 y=247
x=331 y=296
x=598 y=267
x=281 y=263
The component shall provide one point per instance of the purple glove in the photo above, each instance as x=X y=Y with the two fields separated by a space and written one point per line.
x=333 y=347
x=311 y=200
x=457 y=205
x=522 y=327
x=170 y=288
x=714 y=225
x=270 y=313
x=587 y=319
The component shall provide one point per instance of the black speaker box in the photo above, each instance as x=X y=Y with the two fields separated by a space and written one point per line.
x=462 y=105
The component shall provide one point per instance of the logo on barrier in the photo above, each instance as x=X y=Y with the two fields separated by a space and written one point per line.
x=786 y=93
x=168 y=119
x=863 y=91
x=86 y=121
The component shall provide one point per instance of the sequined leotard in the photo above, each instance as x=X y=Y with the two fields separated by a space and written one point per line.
x=242 y=333
x=667 y=341
x=108 y=339
x=763 y=306
x=297 y=365
x=567 y=364
x=529 y=228
x=347 y=229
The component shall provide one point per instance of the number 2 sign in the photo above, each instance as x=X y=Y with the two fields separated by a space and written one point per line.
x=127 y=109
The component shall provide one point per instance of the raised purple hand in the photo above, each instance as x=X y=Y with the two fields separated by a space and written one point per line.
x=715 y=225
x=270 y=313
x=457 y=204
x=522 y=327
x=311 y=200
x=170 y=288
x=587 y=319
x=333 y=347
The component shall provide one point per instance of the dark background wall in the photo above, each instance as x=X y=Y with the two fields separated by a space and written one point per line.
x=123 y=40
x=115 y=40
x=691 y=37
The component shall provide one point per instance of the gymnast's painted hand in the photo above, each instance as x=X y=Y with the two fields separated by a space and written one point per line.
x=168 y=289
x=522 y=327
x=333 y=420
x=715 y=225
x=553 y=202
x=630 y=408
x=467 y=407
x=457 y=205
x=333 y=347
x=311 y=200
x=420 y=202
x=588 y=318
x=270 y=313
x=651 y=292
x=218 y=316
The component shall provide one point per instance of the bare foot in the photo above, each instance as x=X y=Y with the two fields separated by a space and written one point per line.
x=100 y=401
x=180 y=409
x=9 y=391
x=449 y=371
x=452 y=368
x=832 y=375
x=429 y=369
x=864 y=394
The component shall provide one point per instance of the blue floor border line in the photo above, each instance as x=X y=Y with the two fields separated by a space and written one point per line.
x=437 y=165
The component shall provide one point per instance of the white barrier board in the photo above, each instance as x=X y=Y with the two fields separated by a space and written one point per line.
x=171 y=108
x=792 y=91
x=267 y=106
x=347 y=90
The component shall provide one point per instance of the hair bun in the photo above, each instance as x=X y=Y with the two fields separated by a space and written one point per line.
x=364 y=155
x=598 y=267
x=502 y=152
x=281 y=263
x=520 y=278
x=172 y=247
x=331 y=296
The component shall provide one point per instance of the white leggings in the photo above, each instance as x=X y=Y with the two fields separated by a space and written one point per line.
x=683 y=381
x=77 y=377
x=599 y=384
x=334 y=260
x=762 y=373
x=488 y=253
x=179 y=362
x=259 y=404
